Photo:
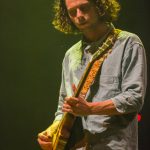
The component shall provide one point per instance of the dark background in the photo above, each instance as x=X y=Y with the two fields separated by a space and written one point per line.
x=31 y=52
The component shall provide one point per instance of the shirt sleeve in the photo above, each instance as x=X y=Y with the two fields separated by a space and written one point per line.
x=62 y=95
x=134 y=78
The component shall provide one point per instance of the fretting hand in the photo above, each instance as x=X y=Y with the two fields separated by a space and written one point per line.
x=76 y=106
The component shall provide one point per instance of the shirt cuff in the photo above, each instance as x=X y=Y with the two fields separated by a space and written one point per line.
x=118 y=105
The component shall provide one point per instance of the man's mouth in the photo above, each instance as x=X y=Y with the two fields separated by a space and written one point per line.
x=82 y=23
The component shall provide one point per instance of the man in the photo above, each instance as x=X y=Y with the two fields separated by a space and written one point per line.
x=109 y=110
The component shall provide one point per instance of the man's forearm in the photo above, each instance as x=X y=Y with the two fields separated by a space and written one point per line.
x=103 y=108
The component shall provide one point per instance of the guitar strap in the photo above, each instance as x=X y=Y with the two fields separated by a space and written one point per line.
x=98 y=57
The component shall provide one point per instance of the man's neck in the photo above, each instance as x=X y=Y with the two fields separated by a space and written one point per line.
x=96 y=33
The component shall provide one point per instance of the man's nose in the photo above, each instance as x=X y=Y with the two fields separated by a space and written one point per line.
x=79 y=13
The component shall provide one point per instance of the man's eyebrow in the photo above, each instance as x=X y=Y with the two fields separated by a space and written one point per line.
x=81 y=5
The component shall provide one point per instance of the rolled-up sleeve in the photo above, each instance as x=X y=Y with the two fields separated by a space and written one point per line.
x=133 y=82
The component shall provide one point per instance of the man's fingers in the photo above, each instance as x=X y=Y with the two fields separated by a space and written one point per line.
x=41 y=142
x=71 y=100
x=45 y=145
x=43 y=137
x=66 y=106
x=74 y=88
x=69 y=110
x=81 y=96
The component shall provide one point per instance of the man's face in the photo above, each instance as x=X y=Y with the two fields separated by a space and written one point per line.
x=82 y=13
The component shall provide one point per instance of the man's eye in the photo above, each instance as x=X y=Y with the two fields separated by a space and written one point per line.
x=85 y=8
x=72 y=12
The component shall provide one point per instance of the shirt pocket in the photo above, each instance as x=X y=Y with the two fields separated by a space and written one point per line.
x=108 y=86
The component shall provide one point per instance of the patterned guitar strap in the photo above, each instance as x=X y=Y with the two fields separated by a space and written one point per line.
x=98 y=58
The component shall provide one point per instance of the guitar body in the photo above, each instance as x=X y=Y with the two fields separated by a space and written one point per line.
x=73 y=125
x=76 y=135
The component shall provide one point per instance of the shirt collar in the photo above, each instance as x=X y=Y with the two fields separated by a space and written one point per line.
x=91 y=47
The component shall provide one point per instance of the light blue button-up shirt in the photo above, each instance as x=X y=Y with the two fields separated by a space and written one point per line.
x=122 y=79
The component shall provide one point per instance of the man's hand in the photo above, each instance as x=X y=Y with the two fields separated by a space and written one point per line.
x=45 y=141
x=76 y=106
x=45 y=137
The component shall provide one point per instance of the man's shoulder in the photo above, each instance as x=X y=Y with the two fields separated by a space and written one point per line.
x=73 y=55
x=76 y=48
x=129 y=37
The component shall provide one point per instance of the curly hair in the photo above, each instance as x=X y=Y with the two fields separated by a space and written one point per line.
x=108 y=11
